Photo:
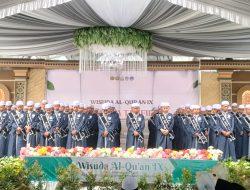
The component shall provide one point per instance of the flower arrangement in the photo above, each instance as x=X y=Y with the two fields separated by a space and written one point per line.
x=193 y=154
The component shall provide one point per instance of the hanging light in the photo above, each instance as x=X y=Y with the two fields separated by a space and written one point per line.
x=117 y=53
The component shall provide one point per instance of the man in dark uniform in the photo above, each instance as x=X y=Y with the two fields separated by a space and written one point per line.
x=213 y=125
x=75 y=117
x=245 y=119
x=197 y=128
x=71 y=138
x=152 y=129
x=108 y=126
x=64 y=125
x=185 y=132
x=39 y=112
x=4 y=118
x=8 y=105
x=48 y=127
x=33 y=125
x=83 y=128
x=92 y=125
x=204 y=115
x=43 y=103
x=179 y=140
x=238 y=130
x=226 y=127
x=187 y=129
x=113 y=112
x=164 y=123
x=135 y=123
x=59 y=122
x=18 y=121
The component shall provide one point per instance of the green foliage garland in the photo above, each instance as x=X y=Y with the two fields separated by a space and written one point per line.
x=101 y=35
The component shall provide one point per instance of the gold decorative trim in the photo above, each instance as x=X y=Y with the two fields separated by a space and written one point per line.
x=73 y=65
x=180 y=65
x=38 y=64
x=152 y=65
x=225 y=64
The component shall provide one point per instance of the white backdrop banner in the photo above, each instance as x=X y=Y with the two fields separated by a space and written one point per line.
x=148 y=89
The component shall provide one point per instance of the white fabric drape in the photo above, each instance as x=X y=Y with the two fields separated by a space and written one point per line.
x=11 y=7
x=234 y=10
x=119 y=12
x=46 y=31
x=176 y=30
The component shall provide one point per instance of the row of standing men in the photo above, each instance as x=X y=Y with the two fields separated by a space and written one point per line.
x=59 y=125
x=222 y=126
x=81 y=125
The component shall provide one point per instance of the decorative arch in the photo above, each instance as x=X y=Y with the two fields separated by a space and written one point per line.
x=246 y=97
x=4 y=93
x=243 y=91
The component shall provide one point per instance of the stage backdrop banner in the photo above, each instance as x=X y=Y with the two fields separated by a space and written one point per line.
x=148 y=89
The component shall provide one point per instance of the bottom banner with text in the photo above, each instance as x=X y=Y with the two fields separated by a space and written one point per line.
x=130 y=166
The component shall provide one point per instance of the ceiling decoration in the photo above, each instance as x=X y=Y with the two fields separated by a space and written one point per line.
x=175 y=29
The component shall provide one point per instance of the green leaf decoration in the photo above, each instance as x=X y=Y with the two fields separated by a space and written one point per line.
x=108 y=35
x=50 y=86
